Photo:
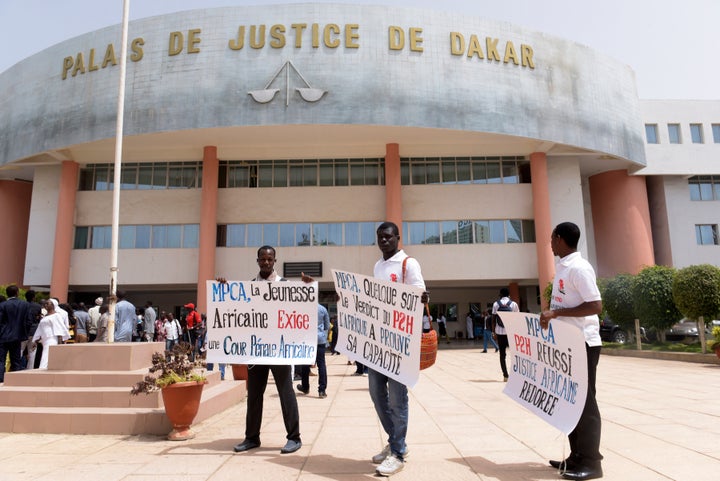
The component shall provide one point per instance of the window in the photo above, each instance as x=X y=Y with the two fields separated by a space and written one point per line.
x=706 y=234
x=696 y=133
x=674 y=133
x=143 y=176
x=423 y=233
x=704 y=187
x=465 y=233
x=449 y=232
x=100 y=237
x=139 y=236
x=287 y=235
x=299 y=234
x=367 y=233
x=508 y=231
x=464 y=170
x=651 y=133
x=716 y=133
x=513 y=228
x=327 y=234
x=301 y=173
x=81 y=237
x=235 y=236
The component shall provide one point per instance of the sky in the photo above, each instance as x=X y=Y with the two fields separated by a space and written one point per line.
x=672 y=46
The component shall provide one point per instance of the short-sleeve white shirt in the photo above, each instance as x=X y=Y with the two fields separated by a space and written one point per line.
x=574 y=284
x=391 y=270
x=500 y=330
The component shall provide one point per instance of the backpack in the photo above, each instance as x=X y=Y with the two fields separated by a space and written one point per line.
x=505 y=307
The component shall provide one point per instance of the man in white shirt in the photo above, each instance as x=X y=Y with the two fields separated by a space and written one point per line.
x=390 y=397
x=149 y=316
x=576 y=300
x=499 y=332
x=94 y=313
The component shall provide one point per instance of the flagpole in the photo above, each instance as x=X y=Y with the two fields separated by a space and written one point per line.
x=116 y=177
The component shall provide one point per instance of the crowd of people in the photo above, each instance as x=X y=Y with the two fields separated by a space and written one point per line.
x=29 y=327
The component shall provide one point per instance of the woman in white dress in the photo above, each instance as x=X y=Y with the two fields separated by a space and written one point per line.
x=51 y=331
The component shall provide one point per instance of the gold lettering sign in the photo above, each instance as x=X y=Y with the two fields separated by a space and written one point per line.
x=302 y=35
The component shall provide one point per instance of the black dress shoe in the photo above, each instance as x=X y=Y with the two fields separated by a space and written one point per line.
x=291 y=446
x=581 y=473
x=246 y=445
x=565 y=464
x=302 y=389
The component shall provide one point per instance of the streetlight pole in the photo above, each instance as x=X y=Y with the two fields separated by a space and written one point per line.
x=116 y=177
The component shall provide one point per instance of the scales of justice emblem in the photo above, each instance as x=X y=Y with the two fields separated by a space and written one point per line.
x=267 y=94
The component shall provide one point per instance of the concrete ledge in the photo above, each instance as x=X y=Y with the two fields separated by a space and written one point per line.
x=665 y=355
x=121 y=356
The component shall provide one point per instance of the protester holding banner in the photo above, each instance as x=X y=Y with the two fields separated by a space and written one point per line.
x=576 y=300
x=389 y=396
x=258 y=377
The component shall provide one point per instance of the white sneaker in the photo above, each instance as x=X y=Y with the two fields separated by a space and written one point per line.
x=391 y=465
x=380 y=457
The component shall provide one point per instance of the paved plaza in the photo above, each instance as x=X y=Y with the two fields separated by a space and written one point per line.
x=661 y=421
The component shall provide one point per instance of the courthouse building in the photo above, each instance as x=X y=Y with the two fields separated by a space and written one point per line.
x=304 y=126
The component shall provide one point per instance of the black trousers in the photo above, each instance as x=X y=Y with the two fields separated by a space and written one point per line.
x=502 y=341
x=13 y=348
x=256 y=384
x=585 y=438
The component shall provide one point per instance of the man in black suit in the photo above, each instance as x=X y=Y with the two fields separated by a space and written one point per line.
x=15 y=323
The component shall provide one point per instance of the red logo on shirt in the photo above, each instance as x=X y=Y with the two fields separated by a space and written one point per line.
x=393 y=277
x=561 y=286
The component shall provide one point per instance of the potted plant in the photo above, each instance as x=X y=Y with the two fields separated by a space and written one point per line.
x=181 y=380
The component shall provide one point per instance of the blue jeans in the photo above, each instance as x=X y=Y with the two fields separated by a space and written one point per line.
x=487 y=335
x=169 y=343
x=322 y=371
x=221 y=367
x=391 y=404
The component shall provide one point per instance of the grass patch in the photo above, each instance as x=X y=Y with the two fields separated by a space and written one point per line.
x=656 y=346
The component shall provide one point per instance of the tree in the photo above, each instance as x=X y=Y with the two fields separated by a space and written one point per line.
x=696 y=291
x=618 y=300
x=619 y=304
x=547 y=295
x=653 y=298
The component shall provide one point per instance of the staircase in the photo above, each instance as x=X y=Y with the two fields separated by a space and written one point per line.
x=86 y=390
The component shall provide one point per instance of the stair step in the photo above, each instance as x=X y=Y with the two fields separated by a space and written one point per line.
x=72 y=378
x=112 y=397
x=113 y=420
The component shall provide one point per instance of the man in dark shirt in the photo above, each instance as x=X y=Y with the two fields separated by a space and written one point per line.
x=14 y=326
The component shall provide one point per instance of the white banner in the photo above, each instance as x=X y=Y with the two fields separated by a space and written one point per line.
x=262 y=322
x=548 y=368
x=380 y=325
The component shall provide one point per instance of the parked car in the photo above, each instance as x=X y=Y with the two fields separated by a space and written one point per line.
x=611 y=332
x=686 y=330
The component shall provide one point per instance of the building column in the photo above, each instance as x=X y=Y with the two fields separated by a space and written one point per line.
x=621 y=222
x=514 y=289
x=393 y=185
x=15 y=199
x=543 y=223
x=208 y=225
x=60 y=277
